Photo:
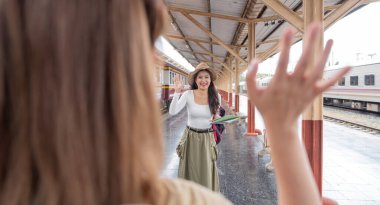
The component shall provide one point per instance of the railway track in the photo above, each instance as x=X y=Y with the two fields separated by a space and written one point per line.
x=353 y=125
x=349 y=108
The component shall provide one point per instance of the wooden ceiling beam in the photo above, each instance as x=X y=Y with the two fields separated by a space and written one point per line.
x=286 y=13
x=268 y=41
x=216 y=59
x=210 y=29
x=274 y=40
x=211 y=35
x=329 y=21
x=204 y=41
x=244 y=20
x=340 y=12
x=186 y=51
x=208 y=14
x=198 y=40
x=194 y=59
x=299 y=13
x=204 y=58
x=179 y=30
x=204 y=61
x=369 y=1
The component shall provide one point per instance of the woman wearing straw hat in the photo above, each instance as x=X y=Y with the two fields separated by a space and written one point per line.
x=197 y=148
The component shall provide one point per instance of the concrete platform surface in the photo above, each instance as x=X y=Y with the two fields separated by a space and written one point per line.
x=351 y=166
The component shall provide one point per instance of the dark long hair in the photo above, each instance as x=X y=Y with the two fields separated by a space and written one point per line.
x=213 y=101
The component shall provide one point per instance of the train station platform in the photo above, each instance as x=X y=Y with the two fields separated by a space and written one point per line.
x=351 y=164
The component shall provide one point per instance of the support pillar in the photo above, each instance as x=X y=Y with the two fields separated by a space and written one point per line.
x=236 y=102
x=230 y=99
x=237 y=86
x=251 y=55
x=230 y=85
x=312 y=118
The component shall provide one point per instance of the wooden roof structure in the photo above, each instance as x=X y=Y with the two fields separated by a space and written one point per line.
x=229 y=33
x=216 y=31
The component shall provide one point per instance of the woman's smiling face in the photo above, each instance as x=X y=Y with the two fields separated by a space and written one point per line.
x=203 y=80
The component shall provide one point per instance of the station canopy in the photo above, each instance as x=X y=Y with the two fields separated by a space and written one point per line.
x=214 y=31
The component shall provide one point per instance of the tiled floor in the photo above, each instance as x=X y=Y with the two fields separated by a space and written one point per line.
x=242 y=174
x=351 y=164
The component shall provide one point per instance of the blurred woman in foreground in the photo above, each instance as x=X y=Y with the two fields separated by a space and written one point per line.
x=79 y=123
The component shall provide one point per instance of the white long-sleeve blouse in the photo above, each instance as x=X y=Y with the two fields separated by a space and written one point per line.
x=198 y=116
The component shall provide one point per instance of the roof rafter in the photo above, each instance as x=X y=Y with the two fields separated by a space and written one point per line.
x=198 y=40
x=340 y=12
x=245 y=20
x=186 y=51
x=216 y=59
x=210 y=28
x=300 y=13
x=286 y=13
x=329 y=20
x=180 y=31
x=215 y=38
x=208 y=14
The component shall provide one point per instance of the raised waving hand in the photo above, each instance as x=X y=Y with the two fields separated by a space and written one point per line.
x=281 y=103
x=290 y=93
x=178 y=84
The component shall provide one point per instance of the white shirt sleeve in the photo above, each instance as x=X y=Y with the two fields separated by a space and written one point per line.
x=178 y=103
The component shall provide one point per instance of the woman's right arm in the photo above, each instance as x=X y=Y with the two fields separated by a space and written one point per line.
x=280 y=104
x=178 y=103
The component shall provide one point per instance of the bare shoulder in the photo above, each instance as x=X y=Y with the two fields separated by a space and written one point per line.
x=179 y=191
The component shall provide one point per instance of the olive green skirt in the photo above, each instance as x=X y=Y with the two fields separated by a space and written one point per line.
x=198 y=154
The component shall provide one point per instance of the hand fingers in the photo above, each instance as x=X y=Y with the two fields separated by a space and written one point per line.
x=286 y=41
x=309 y=45
x=318 y=71
x=176 y=79
x=251 y=78
x=321 y=87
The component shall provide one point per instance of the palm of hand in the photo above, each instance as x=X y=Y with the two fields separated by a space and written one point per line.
x=287 y=95
x=178 y=84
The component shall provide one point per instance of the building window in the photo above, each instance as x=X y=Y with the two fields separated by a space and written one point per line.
x=369 y=79
x=342 y=82
x=354 y=80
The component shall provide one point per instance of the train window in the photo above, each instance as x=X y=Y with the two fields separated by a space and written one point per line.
x=369 y=79
x=171 y=80
x=342 y=82
x=354 y=80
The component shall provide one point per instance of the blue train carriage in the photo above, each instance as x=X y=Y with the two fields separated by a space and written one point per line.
x=359 y=89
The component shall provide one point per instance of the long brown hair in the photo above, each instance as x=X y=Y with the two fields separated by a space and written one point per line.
x=78 y=118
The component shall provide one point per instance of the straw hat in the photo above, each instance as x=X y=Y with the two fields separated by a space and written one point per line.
x=202 y=67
